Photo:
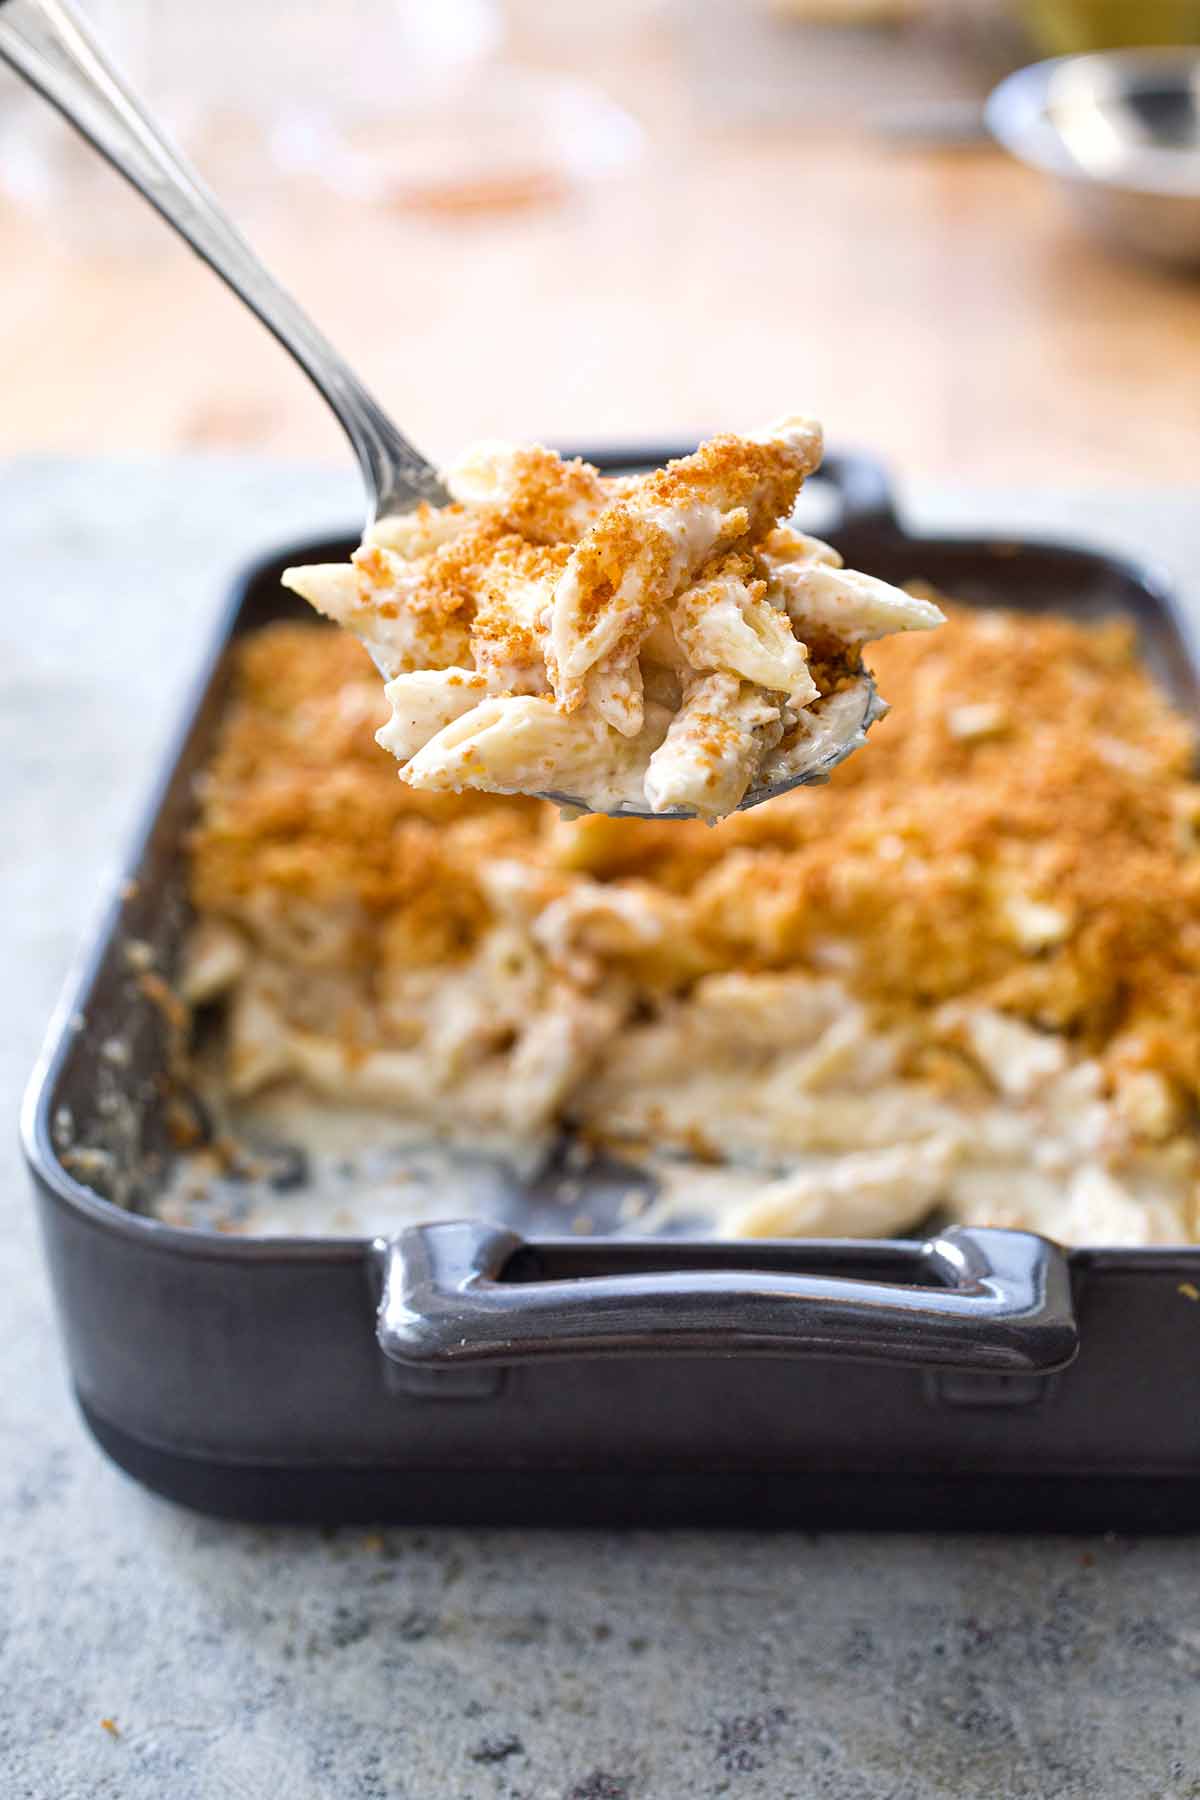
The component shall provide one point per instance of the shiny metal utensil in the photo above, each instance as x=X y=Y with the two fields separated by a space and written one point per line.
x=1120 y=132
x=857 y=710
x=48 y=44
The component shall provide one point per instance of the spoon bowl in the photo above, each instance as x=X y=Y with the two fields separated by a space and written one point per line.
x=814 y=760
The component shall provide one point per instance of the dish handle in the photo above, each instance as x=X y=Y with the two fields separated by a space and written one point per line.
x=862 y=489
x=465 y=1292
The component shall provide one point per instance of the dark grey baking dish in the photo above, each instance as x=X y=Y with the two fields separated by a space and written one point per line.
x=467 y=1373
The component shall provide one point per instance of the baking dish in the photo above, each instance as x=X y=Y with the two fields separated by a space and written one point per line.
x=487 y=1372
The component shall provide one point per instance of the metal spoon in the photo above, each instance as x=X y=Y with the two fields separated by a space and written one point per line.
x=48 y=44
x=857 y=709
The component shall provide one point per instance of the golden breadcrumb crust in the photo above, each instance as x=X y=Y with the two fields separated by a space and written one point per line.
x=1021 y=831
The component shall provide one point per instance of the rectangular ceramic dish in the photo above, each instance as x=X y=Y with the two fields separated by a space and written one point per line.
x=485 y=1372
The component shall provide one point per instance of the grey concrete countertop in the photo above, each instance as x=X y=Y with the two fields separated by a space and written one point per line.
x=234 y=1662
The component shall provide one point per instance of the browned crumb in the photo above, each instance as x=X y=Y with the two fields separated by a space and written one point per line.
x=183 y=1126
x=475 y=584
x=761 y=477
x=498 y=633
x=757 y=483
x=168 y=1002
x=1022 y=831
x=547 y=494
x=459 y=592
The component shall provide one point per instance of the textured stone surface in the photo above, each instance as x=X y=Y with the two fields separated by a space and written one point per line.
x=235 y=1663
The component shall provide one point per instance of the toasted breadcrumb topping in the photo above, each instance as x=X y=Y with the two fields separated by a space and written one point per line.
x=1022 y=831
x=588 y=614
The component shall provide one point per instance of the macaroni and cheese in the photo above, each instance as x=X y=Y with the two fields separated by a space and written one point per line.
x=964 y=976
x=655 y=643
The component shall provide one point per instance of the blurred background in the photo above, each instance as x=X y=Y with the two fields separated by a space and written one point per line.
x=603 y=223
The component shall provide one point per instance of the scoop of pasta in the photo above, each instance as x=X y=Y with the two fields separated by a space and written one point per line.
x=661 y=644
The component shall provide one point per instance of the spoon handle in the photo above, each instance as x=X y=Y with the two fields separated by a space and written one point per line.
x=48 y=44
